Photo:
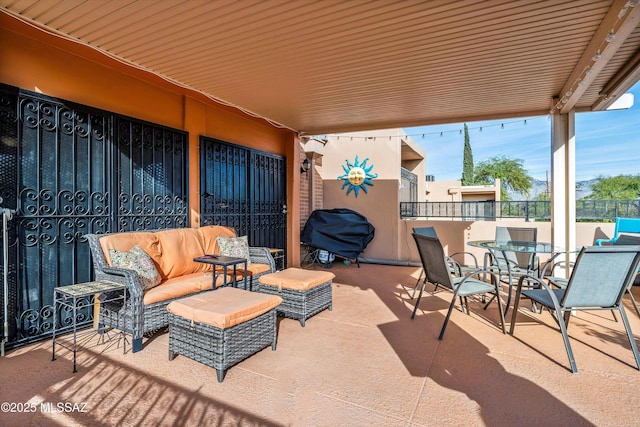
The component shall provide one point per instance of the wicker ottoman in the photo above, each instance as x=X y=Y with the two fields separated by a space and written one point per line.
x=222 y=327
x=304 y=292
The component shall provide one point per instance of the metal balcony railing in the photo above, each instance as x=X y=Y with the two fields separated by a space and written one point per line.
x=530 y=210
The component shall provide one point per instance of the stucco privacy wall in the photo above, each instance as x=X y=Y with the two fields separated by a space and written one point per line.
x=455 y=235
x=381 y=208
x=41 y=62
x=383 y=150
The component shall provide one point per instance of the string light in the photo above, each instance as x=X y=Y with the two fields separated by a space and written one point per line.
x=588 y=70
x=610 y=37
x=422 y=135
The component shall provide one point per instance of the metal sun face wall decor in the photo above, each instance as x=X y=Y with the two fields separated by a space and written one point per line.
x=357 y=176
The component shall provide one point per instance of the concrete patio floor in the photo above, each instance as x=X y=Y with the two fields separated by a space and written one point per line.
x=366 y=363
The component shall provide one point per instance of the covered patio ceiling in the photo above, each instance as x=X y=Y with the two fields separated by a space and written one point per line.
x=330 y=66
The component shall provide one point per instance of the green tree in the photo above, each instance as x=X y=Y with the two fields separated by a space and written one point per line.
x=513 y=177
x=542 y=197
x=621 y=187
x=467 y=161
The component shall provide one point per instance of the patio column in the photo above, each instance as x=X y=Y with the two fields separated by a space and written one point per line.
x=563 y=181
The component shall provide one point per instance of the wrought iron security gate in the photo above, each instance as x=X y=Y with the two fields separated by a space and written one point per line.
x=244 y=189
x=68 y=170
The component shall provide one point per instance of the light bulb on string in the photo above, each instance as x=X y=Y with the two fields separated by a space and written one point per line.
x=610 y=37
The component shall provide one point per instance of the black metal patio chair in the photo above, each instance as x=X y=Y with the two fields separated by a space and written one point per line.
x=437 y=271
x=623 y=239
x=510 y=266
x=599 y=280
x=457 y=268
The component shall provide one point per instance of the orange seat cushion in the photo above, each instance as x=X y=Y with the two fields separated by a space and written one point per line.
x=224 y=307
x=179 y=287
x=296 y=279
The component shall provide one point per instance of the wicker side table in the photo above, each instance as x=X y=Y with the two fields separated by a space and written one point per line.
x=304 y=292
x=223 y=327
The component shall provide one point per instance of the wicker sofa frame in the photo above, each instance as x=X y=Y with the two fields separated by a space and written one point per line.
x=137 y=318
x=301 y=304
x=221 y=348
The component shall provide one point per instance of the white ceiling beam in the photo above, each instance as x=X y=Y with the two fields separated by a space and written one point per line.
x=614 y=29
x=619 y=84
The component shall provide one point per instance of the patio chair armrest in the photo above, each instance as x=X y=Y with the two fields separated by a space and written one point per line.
x=454 y=265
x=531 y=278
x=566 y=264
x=599 y=242
x=262 y=255
x=478 y=271
x=491 y=261
x=537 y=281
x=123 y=276
x=475 y=260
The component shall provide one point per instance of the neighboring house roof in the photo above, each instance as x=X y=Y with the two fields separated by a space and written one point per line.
x=336 y=66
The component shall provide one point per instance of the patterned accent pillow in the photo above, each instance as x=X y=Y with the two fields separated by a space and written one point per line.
x=237 y=247
x=140 y=262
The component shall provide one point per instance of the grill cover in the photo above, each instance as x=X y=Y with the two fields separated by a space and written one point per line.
x=341 y=231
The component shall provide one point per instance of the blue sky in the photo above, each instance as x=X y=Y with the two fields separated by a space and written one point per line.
x=607 y=143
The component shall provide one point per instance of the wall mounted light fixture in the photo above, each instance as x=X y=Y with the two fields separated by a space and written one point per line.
x=306 y=165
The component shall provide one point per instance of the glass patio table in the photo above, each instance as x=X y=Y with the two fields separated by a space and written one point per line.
x=519 y=246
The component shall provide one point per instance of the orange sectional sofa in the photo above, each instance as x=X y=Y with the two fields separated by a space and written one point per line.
x=172 y=252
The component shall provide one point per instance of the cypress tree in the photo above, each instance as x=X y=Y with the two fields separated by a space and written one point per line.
x=467 y=160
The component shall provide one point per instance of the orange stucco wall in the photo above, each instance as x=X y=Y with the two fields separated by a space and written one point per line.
x=35 y=60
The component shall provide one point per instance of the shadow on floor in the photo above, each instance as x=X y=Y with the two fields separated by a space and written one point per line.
x=460 y=362
x=128 y=396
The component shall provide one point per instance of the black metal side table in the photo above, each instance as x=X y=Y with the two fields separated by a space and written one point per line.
x=225 y=262
x=68 y=297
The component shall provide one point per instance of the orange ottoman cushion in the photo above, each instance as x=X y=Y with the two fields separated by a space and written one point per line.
x=224 y=307
x=296 y=278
